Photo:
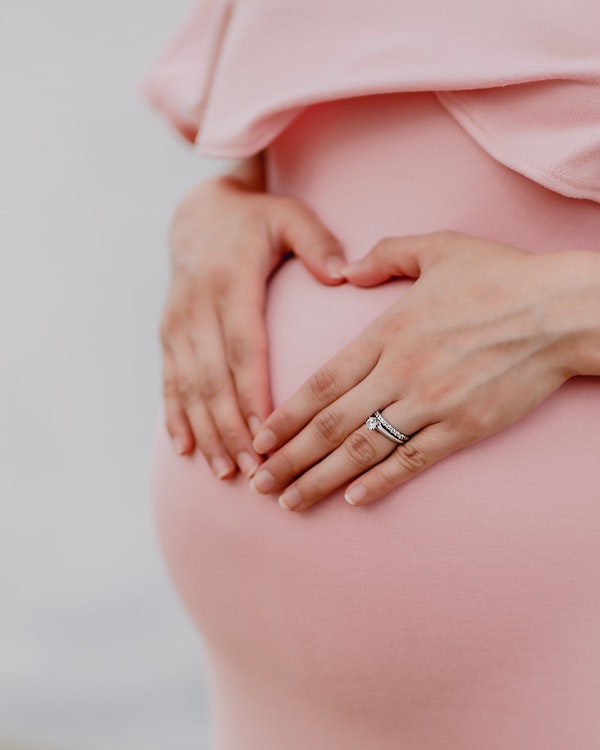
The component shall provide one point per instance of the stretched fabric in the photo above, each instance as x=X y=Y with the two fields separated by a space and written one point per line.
x=522 y=79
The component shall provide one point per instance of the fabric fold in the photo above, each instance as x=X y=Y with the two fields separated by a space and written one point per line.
x=524 y=81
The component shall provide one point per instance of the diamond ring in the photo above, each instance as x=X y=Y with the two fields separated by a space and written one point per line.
x=377 y=422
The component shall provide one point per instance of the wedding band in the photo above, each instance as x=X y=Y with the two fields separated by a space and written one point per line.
x=377 y=422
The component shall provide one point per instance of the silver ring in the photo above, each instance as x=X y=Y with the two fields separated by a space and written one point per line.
x=379 y=423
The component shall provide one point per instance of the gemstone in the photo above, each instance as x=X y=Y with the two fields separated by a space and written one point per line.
x=371 y=423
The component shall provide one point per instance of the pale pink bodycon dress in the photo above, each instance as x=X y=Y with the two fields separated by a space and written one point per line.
x=460 y=612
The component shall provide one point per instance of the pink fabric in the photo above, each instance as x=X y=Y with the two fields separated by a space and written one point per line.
x=179 y=84
x=462 y=611
x=523 y=79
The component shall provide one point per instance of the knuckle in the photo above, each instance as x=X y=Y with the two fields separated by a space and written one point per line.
x=384 y=245
x=382 y=479
x=231 y=433
x=219 y=280
x=324 y=244
x=211 y=385
x=330 y=425
x=411 y=458
x=240 y=352
x=360 y=450
x=289 y=205
x=188 y=390
x=282 y=422
x=324 y=385
x=283 y=466
x=170 y=388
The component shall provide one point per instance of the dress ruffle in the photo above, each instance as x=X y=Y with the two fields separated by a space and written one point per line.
x=523 y=80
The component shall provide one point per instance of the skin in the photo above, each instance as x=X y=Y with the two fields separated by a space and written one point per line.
x=227 y=238
x=514 y=329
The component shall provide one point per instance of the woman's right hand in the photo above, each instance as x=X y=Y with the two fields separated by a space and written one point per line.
x=226 y=240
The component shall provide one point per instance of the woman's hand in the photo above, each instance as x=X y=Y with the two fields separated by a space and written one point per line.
x=483 y=336
x=226 y=240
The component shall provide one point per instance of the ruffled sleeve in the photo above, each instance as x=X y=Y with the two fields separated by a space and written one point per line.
x=524 y=80
x=179 y=83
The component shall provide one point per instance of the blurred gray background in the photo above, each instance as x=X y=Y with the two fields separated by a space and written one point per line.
x=95 y=650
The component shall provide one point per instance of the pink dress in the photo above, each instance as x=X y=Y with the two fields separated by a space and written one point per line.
x=462 y=611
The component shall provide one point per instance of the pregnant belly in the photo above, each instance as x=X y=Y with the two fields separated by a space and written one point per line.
x=462 y=610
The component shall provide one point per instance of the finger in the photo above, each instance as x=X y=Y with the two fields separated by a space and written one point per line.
x=325 y=386
x=362 y=450
x=245 y=342
x=399 y=256
x=423 y=450
x=217 y=391
x=299 y=229
x=323 y=434
x=201 y=423
x=176 y=420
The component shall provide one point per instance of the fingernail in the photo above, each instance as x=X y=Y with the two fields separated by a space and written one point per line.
x=355 y=495
x=221 y=467
x=348 y=267
x=254 y=424
x=178 y=445
x=262 y=482
x=334 y=266
x=247 y=464
x=264 y=441
x=290 y=500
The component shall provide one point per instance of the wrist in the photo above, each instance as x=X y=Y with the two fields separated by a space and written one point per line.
x=575 y=310
x=248 y=173
x=241 y=178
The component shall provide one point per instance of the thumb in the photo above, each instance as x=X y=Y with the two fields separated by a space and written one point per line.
x=391 y=258
x=301 y=231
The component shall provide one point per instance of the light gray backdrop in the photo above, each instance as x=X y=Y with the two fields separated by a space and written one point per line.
x=95 y=650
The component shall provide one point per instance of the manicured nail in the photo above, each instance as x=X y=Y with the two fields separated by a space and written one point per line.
x=254 y=424
x=264 y=441
x=355 y=495
x=334 y=266
x=178 y=445
x=262 y=482
x=221 y=467
x=290 y=500
x=247 y=464
x=348 y=267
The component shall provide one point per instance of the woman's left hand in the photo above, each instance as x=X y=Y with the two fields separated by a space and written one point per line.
x=476 y=343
